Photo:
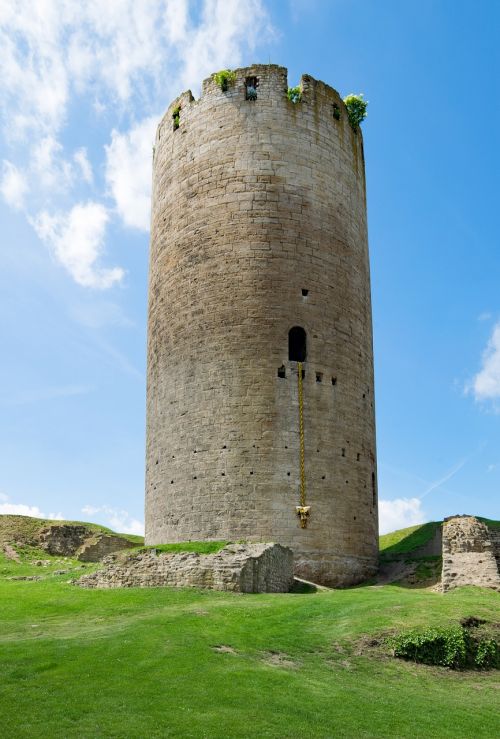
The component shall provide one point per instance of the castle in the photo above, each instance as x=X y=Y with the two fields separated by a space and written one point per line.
x=260 y=402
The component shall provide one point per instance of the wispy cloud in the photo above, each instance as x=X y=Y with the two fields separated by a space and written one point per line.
x=76 y=240
x=41 y=394
x=117 y=59
x=13 y=185
x=128 y=172
x=485 y=386
x=442 y=480
x=117 y=518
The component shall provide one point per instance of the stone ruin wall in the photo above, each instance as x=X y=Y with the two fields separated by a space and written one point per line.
x=471 y=553
x=255 y=568
x=255 y=202
x=73 y=540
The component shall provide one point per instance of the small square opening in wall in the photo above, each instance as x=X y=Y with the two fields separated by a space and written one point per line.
x=334 y=380
x=282 y=371
x=305 y=292
x=251 y=85
x=319 y=377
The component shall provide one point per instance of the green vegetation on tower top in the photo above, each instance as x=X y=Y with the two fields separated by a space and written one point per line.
x=356 y=109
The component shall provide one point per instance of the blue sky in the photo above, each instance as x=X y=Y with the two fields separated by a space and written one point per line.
x=81 y=90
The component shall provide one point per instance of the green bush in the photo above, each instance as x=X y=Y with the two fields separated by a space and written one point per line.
x=434 y=646
x=224 y=78
x=356 y=109
x=294 y=94
x=176 y=116
x=450 y=646
x=487 y=654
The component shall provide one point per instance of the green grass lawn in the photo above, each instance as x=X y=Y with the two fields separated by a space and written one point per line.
x=188 y=663
x=407 y=540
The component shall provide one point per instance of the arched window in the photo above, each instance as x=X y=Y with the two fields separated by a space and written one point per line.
x=297 y=344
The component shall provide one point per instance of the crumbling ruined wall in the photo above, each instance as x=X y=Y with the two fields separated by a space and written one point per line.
x=245 y=568
x=468 y=554
x=74 y=540
x=63 y=539
x=259 y=225
x=100 y=545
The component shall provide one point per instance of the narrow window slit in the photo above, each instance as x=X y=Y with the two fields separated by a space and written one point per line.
x=297 y=344
x=282 y=371
x=305 y=292
x=319 y=377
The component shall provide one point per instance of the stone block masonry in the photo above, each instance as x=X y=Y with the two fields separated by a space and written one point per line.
x=242 y=568
x=469 y=549
x=259 y=227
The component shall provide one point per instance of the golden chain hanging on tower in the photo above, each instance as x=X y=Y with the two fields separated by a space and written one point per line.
x=302 y=509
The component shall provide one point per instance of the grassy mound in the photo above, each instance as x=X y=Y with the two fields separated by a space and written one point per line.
x=405 y=541
x=199 y=547
x=26 y=530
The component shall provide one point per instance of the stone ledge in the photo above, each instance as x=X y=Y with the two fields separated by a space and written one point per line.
x=243 y=568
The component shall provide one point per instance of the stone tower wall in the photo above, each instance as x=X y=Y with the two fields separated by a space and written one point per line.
x=253 y=203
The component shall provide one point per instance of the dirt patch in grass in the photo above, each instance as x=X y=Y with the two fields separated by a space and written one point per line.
x=280 y=659
x=224 y=649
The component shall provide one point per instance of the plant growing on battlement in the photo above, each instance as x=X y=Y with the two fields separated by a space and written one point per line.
x=356 y=109
x=294 y=94
x=176 y=117
x=224 y=78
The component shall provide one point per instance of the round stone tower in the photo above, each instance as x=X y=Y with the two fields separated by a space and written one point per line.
x=260 y=404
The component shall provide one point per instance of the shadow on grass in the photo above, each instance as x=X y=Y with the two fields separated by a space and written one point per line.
x=416 y=539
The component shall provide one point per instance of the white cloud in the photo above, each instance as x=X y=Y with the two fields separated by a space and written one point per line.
x=52 y=50
x=89 y=510
x=399 y=514
x=119 y=61
x=52 y=171
x=118 y=519
x=13 y=185
x=82 y=160
x=21 y=509
x=37 y=395
x=76 y=239
x=220 y=38
x=486 y=384
x=128 y=172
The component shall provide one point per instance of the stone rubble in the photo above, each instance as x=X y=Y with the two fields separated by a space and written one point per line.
x=243 y=568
